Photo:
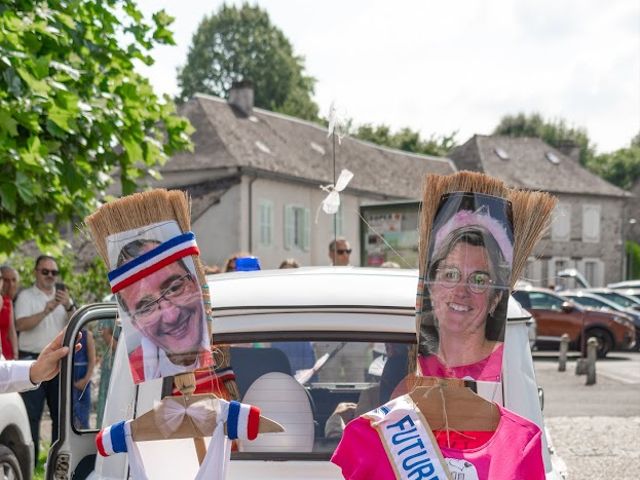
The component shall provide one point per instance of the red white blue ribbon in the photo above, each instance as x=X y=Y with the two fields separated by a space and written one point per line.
x=149 y=262
x=243 y=421
x=111 y=439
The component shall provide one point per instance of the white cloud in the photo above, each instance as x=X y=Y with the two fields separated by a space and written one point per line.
x=456 y=65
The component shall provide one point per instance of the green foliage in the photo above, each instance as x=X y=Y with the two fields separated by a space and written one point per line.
x=633 y=260
x=556 y=133
x=87 y=283
x=622 y=167
x=407 y=140
x=73 y=109
x=238 y=44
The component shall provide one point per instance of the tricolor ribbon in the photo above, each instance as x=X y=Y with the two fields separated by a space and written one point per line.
x=111 y=440
x=243 y=421
x=149 y=262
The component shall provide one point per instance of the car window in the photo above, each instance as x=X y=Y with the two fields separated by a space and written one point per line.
x=619 y=299
x=314 y=388
x=588 y=301
x=545 y=301
x=92 y=372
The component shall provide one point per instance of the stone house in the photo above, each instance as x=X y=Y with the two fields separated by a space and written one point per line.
x=587 y=227
x=255 y=179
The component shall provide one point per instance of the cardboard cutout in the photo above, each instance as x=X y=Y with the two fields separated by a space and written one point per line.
x=162 y=309
x=462 y=301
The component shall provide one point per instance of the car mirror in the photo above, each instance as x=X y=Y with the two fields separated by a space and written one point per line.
x=567 y=307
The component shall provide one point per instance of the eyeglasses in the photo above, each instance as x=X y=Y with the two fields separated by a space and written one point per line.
x=342 y=251
x=46 y=272
x=172 y=292
x=477 y=281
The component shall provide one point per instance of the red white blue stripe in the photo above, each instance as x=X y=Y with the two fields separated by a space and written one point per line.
x=243 y=421
x=149 y=262
x=111 y=439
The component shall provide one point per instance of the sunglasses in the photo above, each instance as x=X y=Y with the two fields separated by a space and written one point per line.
x=341 y=251
x=47 y=272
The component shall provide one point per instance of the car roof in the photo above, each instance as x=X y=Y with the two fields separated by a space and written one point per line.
x=322 y=288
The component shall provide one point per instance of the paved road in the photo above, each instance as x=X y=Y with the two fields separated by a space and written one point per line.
x=595 y=429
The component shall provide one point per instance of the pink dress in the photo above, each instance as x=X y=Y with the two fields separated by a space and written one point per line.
x=488 y=369
x=512 y=452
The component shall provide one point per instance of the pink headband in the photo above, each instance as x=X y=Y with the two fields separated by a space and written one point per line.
x=481 y=218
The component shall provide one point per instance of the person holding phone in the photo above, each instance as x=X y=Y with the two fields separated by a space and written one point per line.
x=42 y=312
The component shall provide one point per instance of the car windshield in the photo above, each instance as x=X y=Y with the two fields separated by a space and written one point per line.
x=313 y=388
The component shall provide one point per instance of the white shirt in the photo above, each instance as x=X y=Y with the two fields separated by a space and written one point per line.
x=14 y=376
x=29 y=302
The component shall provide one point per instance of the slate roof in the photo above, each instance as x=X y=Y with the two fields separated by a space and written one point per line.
x=283 y=145
x=528 y=166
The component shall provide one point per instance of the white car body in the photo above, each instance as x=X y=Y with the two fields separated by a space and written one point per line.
x=15 y=434
x=249 y=306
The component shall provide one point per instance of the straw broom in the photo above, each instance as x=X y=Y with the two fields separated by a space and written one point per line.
x=139 y=210
x=531 y=213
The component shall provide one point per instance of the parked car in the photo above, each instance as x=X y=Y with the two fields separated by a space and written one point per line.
x=363 y=313
x=617 y=296
x=597 y=301
x=556 y=315
x=16 y=445
x=631 y=287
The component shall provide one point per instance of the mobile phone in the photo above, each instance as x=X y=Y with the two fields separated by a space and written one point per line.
x=61 y=286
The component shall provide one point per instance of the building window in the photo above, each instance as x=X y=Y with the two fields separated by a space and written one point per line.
x=296 y=227
x=561 y=223
x=533 y=272
x=593 y=271
x=266 y=223
x=591 y=223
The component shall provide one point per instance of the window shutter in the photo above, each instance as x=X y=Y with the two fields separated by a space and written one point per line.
x=289 y=227
x=305 y=229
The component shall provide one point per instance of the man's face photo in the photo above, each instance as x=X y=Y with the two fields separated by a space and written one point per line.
x=166 y=307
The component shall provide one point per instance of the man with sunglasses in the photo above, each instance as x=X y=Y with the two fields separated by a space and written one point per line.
x=41 y=313
x=339 y=252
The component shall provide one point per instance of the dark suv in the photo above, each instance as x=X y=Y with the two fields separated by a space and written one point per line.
x=556 y=315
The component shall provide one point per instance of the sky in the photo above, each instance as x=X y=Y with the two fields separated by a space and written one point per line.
x=452 y=66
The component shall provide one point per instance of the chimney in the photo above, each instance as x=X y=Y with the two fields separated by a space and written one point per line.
x=570 y=149
x=241 y=97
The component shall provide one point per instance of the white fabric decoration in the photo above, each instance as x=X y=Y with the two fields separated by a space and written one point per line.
x=331 y=203
x=170 y=413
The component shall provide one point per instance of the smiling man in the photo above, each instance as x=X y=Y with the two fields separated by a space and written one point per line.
x=166 y=308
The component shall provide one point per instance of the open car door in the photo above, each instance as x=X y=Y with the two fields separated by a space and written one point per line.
x=73 y=455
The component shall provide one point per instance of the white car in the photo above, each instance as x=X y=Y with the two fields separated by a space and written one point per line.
x=344 y=322
x=16 y=445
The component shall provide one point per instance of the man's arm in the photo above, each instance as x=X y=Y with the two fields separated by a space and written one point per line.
x=30 y=322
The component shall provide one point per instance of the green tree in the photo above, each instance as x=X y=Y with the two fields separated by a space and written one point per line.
x=621 y=167
x=238 y=44
x=556 y=133
x=73 y=109
x=406 y=139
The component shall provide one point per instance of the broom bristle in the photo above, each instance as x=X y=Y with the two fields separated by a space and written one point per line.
x=531 y=212
x=531 y=218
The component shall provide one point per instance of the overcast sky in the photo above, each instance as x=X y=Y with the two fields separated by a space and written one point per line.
x=453 y=65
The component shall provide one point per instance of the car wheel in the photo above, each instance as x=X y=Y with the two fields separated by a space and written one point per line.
x=9 y=466
x=605 y=342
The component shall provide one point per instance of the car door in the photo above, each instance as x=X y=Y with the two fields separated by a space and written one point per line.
x=73 y=455
x=551 y=319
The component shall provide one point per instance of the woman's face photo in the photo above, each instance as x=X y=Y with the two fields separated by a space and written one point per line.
x=462 y=294
x=462 y=304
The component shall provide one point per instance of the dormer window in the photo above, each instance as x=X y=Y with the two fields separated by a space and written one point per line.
x=553 y=158
x=501 y=153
